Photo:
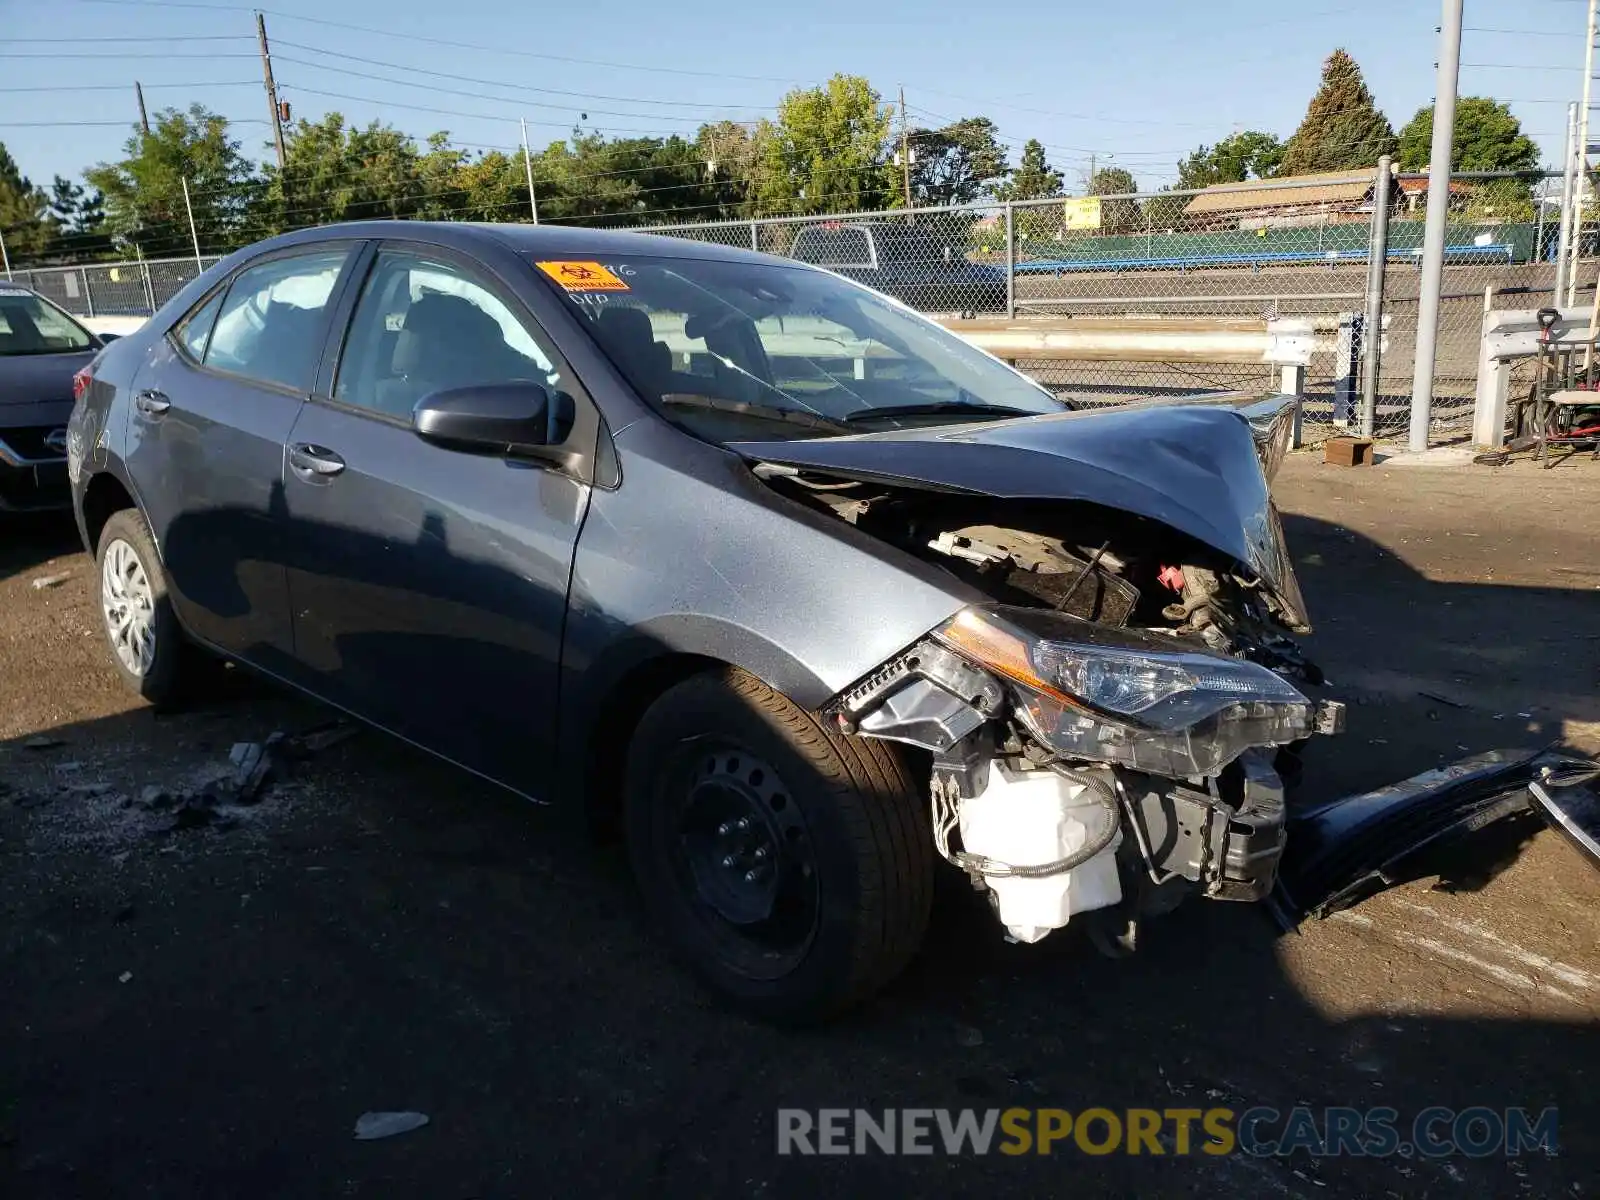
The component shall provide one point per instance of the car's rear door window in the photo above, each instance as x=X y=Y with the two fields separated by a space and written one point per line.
x=195 y=331
x=271 y=325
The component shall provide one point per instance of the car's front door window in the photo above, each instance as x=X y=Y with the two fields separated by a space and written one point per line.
x=424 y=325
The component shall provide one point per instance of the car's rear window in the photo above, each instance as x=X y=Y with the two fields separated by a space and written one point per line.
x=30 y=325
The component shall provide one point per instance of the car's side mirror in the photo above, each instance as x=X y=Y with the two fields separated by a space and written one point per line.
x=516 y=418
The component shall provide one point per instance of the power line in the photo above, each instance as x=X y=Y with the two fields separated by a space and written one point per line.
x=523 y=87
x=171 y=37
x=1518 y=32
x=101 y=124
x=433 y=87
x=586 y=62
x=448 y=112
x=53 y=54
x=118 y=87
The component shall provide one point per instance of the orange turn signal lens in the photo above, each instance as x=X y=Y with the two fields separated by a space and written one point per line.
x=989 y=643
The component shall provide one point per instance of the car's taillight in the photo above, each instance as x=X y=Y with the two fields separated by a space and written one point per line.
x=80 y=383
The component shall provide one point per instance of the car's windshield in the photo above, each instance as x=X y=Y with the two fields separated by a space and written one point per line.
x=738 y=350
x=28 y=325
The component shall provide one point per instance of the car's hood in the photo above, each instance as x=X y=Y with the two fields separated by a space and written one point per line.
x=32 y=378
x=1196 y=468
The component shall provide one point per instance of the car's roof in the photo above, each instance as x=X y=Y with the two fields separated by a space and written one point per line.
x=553 y=241
x=9 y=288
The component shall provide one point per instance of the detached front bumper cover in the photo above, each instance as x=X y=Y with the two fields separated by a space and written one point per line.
x=1341 y=852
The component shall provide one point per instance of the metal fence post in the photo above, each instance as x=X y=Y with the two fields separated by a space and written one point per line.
x=1346 y=368
x=1293 y=383
x=755 y=237
x=1433 y=237
x=1564 y=234
x=149 y=286
x=5 y=255
x=1377 y=265
x=88 y=296
x=1011 y=262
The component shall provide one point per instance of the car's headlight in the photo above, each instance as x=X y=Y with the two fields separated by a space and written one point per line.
x=1116 y=696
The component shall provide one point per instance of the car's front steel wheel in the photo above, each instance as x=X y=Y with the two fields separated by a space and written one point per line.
x=148 y=648
x=788 y=863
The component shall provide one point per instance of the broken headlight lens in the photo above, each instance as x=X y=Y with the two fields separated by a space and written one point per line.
x=1115 y=696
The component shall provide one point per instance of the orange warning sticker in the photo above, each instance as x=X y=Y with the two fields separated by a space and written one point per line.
x=583 y=277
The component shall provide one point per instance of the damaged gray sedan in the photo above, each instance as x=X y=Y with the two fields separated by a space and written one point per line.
x=802 y=591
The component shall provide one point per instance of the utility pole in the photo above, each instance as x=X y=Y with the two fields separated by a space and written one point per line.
x=1444 y=128
x=272 y=89
x=905 y=147
x=4 y=256
x=144 y=117
x=193 y=235
x=527 y=163
x=1576 y=247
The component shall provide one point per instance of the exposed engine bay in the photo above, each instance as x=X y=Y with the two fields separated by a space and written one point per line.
x=1099 y=565
x=1049 y=822
x=1118 y=724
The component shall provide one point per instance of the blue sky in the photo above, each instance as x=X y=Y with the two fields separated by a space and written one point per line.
x=1138 y=83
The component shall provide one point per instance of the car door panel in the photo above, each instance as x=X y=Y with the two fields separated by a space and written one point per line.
x=211 y=468
x=428 y=585
x=429 y=588
x=207 y=446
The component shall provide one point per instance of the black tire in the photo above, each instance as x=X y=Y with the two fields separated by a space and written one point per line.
x=164 y=676
x=850 y=833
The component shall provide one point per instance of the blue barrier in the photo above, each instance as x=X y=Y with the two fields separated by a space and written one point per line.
x=1497 y=252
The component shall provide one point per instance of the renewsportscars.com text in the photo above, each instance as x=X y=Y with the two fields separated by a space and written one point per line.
x=1438 y=1132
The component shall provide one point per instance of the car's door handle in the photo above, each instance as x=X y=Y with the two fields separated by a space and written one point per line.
x=311 y=460
x=151 y=403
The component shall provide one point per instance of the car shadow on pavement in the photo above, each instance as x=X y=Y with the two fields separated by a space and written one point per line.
x=205 y=1009
x=28 y=540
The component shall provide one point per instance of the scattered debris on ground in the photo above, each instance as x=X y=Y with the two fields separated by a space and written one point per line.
x=106 y=809
x=51 y=581
x=374 y=1125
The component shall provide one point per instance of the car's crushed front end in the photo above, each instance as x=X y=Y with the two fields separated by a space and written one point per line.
x=1117 y=727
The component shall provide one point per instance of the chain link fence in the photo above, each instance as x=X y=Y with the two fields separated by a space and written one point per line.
x=122 y=289
x=1211 y=262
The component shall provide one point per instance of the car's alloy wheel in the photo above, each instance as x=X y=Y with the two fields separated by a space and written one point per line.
x=148 y=646
x=127 y=602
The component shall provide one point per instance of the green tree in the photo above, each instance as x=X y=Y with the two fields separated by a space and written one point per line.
x=144 y=191
x=1034 y=178
x=1343 y=129
x=1486 y=138
x=494 y=187
x=1237 y=157
x=827 y=151
x=732 y=157
x=1120 y=215
x=76 y=210
x=24 y=211
x=956 y=164
x=1163 y=212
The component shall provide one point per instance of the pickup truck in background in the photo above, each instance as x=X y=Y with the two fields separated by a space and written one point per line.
x=919 y=265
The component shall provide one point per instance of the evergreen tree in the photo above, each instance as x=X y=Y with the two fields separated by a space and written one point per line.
x=1034 y=177
x=1343 y=129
